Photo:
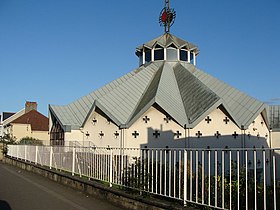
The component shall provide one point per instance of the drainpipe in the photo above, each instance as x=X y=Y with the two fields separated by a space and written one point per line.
x=185 y=127
x=243 y=143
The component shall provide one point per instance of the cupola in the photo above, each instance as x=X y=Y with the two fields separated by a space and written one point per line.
x=167 y=48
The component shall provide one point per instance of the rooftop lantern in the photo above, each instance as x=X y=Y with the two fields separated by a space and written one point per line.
x=167 y=47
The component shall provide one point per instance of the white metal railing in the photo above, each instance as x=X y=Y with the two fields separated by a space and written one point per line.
x=217 y=178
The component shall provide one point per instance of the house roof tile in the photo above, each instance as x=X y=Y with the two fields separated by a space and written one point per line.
x=38 y=121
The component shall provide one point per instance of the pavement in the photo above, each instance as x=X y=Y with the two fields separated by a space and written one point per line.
x=23 y=190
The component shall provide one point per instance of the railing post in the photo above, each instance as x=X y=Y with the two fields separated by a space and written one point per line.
x=111 y=167
x=36 y=154
x=255 y=177
x=17 y=150
x=185 y=177
x=274 y=181
x=51 y=155
x=264 y=180
x=73 y=161
x=25 y=152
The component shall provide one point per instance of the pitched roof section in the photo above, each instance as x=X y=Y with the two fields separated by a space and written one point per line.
x=37 y=121
x=168 y=96
x=120 y=102
x=168 y=39
x=242 y=108
x=186 y=93
x=274 y=115
x=197 y=97
x=71 y=116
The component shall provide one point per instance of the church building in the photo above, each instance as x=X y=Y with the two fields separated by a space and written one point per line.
x=167 y=102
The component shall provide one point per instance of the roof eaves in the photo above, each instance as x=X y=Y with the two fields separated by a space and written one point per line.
x=231 y=115
x=111 y=116
x=89 y=113
x=53 y=112
x=140 y=113
x=255 y=114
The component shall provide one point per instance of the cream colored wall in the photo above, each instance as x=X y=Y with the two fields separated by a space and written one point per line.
x=50 y=123
x=275 y=139
x=41 y=135
x=226 y=130
x=101 y=125
x=188 y=137
x=208 y=130
x=258 y=128
x=146 y=130
x=20 y=131
x=74 y=135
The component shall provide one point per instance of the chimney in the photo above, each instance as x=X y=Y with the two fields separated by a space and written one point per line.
x=30 y=106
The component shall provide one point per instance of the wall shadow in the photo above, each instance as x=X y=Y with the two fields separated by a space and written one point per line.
x=169 y=139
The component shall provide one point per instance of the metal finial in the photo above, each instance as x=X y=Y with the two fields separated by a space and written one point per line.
x=167 y=16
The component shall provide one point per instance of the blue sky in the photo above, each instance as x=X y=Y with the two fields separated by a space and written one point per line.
x=56 y=51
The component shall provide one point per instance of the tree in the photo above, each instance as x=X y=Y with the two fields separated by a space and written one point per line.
x=7 y=139
x=30 y=141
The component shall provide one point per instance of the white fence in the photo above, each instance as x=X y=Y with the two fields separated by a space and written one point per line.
x=221 y=179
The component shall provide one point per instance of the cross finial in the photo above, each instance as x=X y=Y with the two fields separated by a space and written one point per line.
x=167 y=16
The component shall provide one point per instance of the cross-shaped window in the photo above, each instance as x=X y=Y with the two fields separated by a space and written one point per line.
x=101 y=134
x=208 y=119
x=226 y=120
x=94 y=121
x=178 y=134
x=156 y=134
x=135 y=134
x=146 y=119
x=217 y=134
x=116 y=134
x=235 y=134
x=167 y=119
x=198 y=134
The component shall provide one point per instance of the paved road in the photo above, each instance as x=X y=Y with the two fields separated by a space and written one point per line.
x=22 y=190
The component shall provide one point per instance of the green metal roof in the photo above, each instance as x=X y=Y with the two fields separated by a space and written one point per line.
x=184 y=92
x=274 y=116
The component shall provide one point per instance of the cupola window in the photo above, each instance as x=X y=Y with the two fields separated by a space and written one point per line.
x=183 y=54
x=171 y=53
x=191 y=57
x=148 y=55
x=158 y=53
x=167 y=48
x=140 y=56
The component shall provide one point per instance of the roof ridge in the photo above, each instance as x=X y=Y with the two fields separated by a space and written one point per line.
x=148 y=94
x=194 y=93
x=168 y=94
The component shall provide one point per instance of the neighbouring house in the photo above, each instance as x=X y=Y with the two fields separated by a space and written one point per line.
x=27 y=123
x=4 y=116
